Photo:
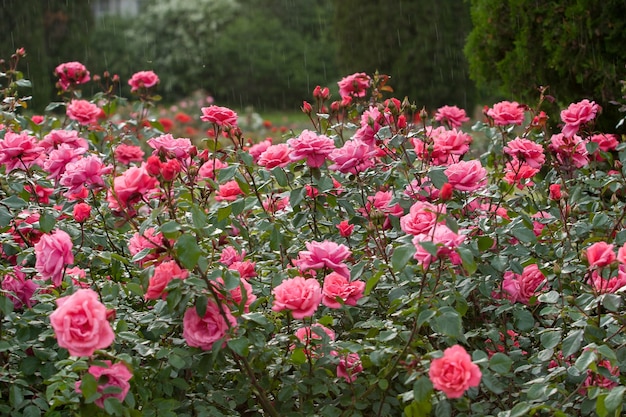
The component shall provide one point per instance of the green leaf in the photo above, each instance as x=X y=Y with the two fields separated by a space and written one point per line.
x=113 y=406
x=550 y=339
x=14 y=202
x=89 y=388
x=449 y=324
x=298 y=356
x=6 y=305
x=176 y=361
x=239 y=346
x=201 y=305
x=46 y=222
x=524 y=234
x=170 y=229
x=401 y=256
x=524 y=320
x=615 y=398
x=280 y=176
x=438 y=177
x=585 y=359
x=23 y=83
x=612 y=302
x=187 y=251
x=500 y=363
x=572 y=342
x=423 y=389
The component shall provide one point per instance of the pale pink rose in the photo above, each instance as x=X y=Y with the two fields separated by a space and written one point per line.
x=230 y=255
x=600 y=254
x=130 y=187
x=87 y=172
x=299 y=295
x=220 y=116
x=246 y=269
x=447 y=243
x=354 y=157
x=53 y=254
x=143 y=79
x=20 y=151
x=526 y=150
x=311 y=146
x=324 y=254
x=578 y=114
x=421 y=218
x=520 y=288
x=467 y=175
x=454 y=373
x=569 y=150
x=82 y=111
x=338 y=287
x=275 y=156
x=80 y=323
x=354 y=85
x=109 y=376
x=453 y=115
x=506 y=113
x=125 y=154
x=204 y=332
x=229 y=191
x=58 y=158
x=59 y=137
x=349 y=367
x=608 y=285
x=210 y=167
x=178 y=148
x=519 y=173
x=163 y=274
x=19 y=289
x=71 y=74
x=149 y=240
x=257 y=149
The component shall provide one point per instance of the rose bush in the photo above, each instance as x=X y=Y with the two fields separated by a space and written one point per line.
x=399 y=273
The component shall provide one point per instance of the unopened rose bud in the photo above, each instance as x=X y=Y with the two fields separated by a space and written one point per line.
x=153 y=165
x=306 y=107
x=446 y=192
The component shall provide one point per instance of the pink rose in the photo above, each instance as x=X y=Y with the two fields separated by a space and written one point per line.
x=506 y=113
x=19 y=288
x=312 y=147
x=246 y=269
x=355 y=156
x=229 y=191
x=421 y=218
x=324 y=254
x=600 y=254
x=448 y=144
x=520 y=288
x=80 y=323
x=220 y=116
x=603 y=285
x=354 y=85
x=110 y=376
x=569 y=150
x=143 y=79
x=467 y=175
x=299 y=295
x=519 y=173
x=125 y=154
x=578 y=114
x=81 y=212
x=308 y=334
x=130 y=187
x=210 y=167
x=345 y=228
x=230 y=255
x=240 y=296
x=447 y=243
x=527 y=151
x=605 y=141
x=86 y=172
x=258 y=148
x=173 y=147
x=20 y=150
x=82 y=111
x=59 y=137
x=163 y=274
x=453 y=115
x=71 y=74
x=53 y=253
x=349 y=367
x=59 y=158
x=337 y=287
x=555 y=191
x=454 y=373
x=275 y=156
x=149 y=240
x=204 y=332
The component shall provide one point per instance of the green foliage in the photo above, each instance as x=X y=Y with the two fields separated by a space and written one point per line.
x=574 y=48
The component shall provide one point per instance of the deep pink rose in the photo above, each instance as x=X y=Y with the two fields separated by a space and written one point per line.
x=311 y=146
x=555 y=191
x=53 y=253
x=600 y=254
x=246 y=269
x=19 y=288
x=275 y=156
x=338 y=287
x=599 y=379
x=454 y=373
x=204 y=332
x=81 y=212
x=82 y=111
x=229 y=191
x=349 y=367
x=112 y=375
x=163 y=274
x=143 y=79
x=20 y=150
x=527 y=151
x=80 y=323
x=220 y=116
x=355 y=156
x=71 y=73
x=421 y=218
x=453 y=115
x=519 y=173
x=125 y=154
x=299 y=295
x=345 y=228
x=578 y=114
x=467 y=175
x=354 y=85
x=506 y=113
x=324 y=254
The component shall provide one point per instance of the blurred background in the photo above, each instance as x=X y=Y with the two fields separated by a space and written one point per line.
x=270 y=54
